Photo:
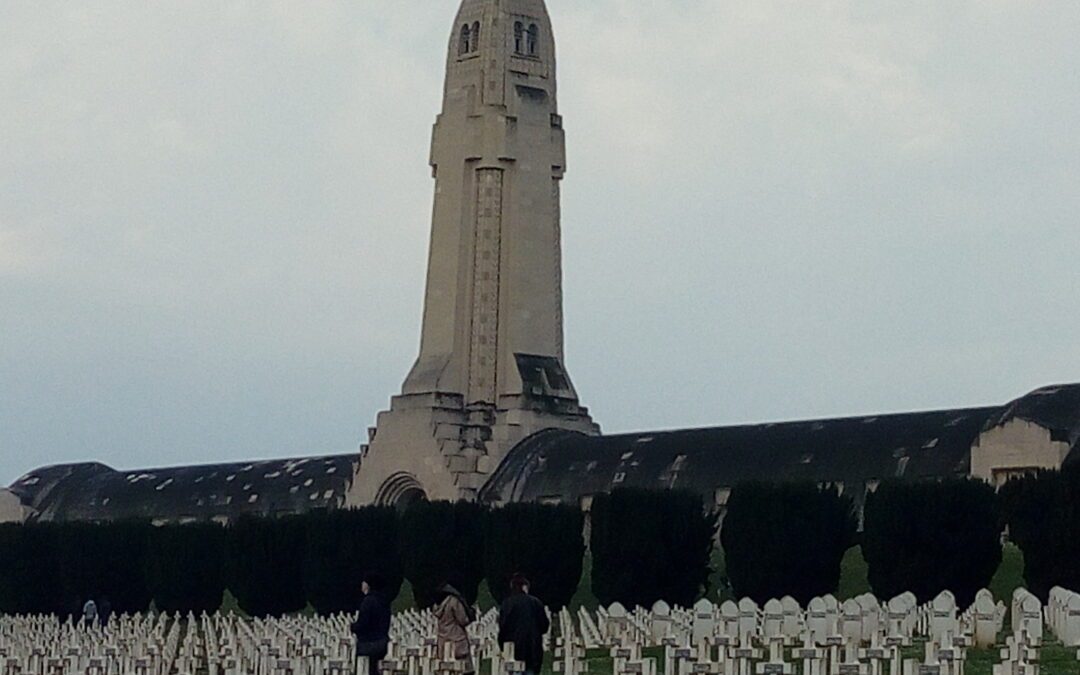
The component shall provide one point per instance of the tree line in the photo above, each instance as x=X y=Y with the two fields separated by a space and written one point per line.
x=919 y=536
x=778 y=539
x=646 y=546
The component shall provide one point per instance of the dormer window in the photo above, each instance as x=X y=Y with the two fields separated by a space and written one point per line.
x=465 y=44
x=519 y=38
x=532 y=39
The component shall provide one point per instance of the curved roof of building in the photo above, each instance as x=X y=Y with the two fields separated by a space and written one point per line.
x=1055 y=408
x=570 y=465
x=95 y=492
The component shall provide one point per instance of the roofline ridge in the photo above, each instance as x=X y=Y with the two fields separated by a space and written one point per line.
x=849 y=418
x=183 y=467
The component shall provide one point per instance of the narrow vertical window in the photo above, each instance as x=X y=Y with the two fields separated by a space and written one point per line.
x=465 y=46
x=519 y=38
x=534 y=37
x=476 y=36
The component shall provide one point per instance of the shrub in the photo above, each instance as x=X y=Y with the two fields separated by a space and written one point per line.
x=786 y=539
x=39 y=573
x=1043 y=514
x=929 y=537
x=342 y=546
x=545 y=543
x=184 y=567
x=650 y=545
x=265 y=564
x=29 y=570
x=10 y=552
x=102 y=562
x=443 y=542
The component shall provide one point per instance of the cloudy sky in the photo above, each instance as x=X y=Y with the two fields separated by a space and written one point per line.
x=214 y=215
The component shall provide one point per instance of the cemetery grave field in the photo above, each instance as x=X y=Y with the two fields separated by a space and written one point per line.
x=859 y=636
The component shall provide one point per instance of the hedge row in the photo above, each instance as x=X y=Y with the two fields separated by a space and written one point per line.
x=923 y=537
x=278 y=566
x=648 y=546
x=786 y=539
x=930 y=537
x=271 y=566
x=778 y=539
x=1043 y=515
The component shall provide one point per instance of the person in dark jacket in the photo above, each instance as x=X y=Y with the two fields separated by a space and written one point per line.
x=372 y=626
x=523 y=621
x=104 y=612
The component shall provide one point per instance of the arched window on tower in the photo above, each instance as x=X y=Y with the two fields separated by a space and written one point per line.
x=476 y=36
x=465 y=46
x=519 y=38
x=534 y=38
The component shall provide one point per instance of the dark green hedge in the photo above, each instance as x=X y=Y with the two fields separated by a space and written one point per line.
x=104 y=562
x=31 y=576
x=646 y=546
x=649 y=545
x=786 y=539
x=545 y=543
x=265 y=565
x=343 y=546
x=929 y=537
x=185 y=567
x=1043 y=515
x=443 y=542
x=54 y=568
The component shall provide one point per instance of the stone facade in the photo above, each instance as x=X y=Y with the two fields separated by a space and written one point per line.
x=11 y=508
x=1014 y=449
x=491 y=368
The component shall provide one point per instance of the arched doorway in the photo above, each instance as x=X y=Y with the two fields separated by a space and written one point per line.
x=401 y=491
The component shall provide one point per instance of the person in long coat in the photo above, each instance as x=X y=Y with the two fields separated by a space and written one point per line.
x=372 y=626
x=523 y=621
x=454 y=616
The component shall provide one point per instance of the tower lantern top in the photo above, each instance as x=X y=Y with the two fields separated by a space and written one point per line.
x=517 y=29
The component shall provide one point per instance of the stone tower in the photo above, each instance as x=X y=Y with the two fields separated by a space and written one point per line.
x=491 y=369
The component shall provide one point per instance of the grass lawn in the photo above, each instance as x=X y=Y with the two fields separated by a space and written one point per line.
x=1054 y=660
x=1010 y=576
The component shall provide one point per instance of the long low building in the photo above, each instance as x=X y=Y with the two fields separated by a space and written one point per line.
x=222 y=492
x=1038 y=431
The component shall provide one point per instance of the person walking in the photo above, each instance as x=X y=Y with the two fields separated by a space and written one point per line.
x=454 y=616
x=523 y=622
x=372 y=625
x=90 y=613
x=104 y=612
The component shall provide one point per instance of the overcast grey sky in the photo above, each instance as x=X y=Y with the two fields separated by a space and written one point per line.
x=214 y=215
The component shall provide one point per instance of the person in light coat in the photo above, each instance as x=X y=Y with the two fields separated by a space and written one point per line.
x=454 y=616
